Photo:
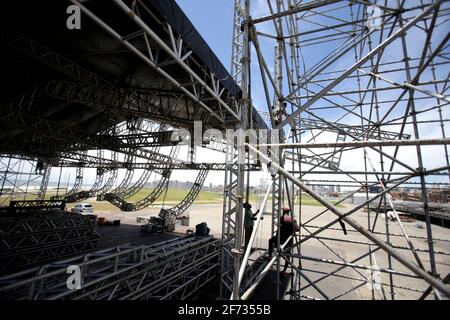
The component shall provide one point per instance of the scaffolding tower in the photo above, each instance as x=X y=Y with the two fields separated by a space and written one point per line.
x=359 y=92
x=355 y=94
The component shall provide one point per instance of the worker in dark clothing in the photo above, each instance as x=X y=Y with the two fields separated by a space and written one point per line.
x=39 y=167
x=279 y=113
x=249 y=220
x=287 y=228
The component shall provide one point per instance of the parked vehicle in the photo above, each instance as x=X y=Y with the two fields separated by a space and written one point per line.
x=83 y=208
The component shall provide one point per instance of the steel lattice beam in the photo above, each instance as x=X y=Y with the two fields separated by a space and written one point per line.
x=126 y=272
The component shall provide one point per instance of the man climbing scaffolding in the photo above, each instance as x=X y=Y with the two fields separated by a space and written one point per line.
x=288 y=226
x=249 y=220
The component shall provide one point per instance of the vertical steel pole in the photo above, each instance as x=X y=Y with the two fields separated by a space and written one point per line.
x=245 y=105
x=419 y=152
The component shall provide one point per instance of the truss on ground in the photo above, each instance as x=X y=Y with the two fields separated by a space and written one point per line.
x=31 y=236
x=174 y=269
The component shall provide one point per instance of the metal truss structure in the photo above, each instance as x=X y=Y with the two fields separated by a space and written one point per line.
x=350 y=80
x=70 y=195
x=144 y=202
x=174 y=269
x=237 y=43
x=89 y=89
x=188 y=200
x=356 y=90
x=34 y=206
x=16 y=176
x=121 y=124
x=30 y=236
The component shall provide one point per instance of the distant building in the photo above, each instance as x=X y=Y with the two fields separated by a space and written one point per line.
x=359 y=198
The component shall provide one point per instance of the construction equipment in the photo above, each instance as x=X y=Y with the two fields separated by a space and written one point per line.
x=165 y=221
x=158 y=225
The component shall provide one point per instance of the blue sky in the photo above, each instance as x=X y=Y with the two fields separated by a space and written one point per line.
x=214 y=20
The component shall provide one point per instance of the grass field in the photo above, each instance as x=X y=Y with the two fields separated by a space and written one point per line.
x=174 y=196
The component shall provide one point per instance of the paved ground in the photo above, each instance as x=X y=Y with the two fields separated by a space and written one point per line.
x=333 y=250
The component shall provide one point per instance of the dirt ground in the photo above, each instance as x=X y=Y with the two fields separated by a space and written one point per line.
x=405 y=287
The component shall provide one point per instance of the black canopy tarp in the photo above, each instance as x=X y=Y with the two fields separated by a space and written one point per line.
x=181 y=24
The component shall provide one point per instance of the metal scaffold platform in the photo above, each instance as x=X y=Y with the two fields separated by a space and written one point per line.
x=351 y=86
